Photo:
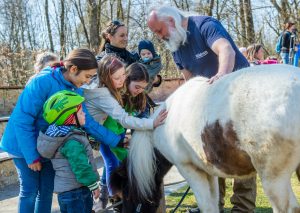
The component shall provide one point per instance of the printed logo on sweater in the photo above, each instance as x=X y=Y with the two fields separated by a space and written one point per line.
x=201 y=55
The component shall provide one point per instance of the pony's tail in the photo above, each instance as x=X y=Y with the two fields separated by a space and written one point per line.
x=298 y=172
x=141 y=163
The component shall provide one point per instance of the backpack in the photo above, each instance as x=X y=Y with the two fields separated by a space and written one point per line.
x=279 y=44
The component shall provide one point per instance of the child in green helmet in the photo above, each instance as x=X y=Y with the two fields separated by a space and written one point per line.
x=67 y=145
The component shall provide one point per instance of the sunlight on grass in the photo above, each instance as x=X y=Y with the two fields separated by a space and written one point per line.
x=262 y=203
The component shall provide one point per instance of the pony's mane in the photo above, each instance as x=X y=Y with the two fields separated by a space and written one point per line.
x=141 y=161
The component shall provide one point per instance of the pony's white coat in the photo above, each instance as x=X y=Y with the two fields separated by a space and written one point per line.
x=263 y=105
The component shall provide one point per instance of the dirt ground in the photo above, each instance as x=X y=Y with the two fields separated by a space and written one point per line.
x=9 y=195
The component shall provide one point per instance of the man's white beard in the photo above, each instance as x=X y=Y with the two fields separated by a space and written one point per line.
x=175 y=40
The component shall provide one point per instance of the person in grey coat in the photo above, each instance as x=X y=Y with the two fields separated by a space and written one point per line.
x=67 y=145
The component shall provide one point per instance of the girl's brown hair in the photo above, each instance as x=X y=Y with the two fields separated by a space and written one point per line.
x=108 y=65
x=83 y=59
x=111 y=29
x=135 y=72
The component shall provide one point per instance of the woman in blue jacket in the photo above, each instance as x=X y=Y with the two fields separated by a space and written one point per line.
x=36 y=174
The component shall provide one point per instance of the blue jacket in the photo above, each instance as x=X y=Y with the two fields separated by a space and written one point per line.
x=26 y=120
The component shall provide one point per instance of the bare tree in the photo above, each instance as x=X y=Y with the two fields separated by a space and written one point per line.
x=49 y=26
x=209 y=7
x=94 y=25
x=62 y=25
x=249 y=21
x=120 y=12
x=77 y=5
x=128 y=13
x=111 y=3
x=285 y=9
x=62 y=29
x=182 y=4
x=242 y=35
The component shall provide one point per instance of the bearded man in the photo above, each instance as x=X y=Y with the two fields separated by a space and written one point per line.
x=200 y=45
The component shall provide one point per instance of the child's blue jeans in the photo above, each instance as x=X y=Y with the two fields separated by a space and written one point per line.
x=76 y=201
x=111 y=163
x=36 y=188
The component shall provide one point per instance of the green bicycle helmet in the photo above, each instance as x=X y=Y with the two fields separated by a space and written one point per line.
x=60 y=106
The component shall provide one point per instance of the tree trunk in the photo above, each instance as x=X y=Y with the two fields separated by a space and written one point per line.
x=282 y=10
x=128 y=15
x=242 y=37
x=111 y=3
x=62 y=29
x=210 y=6
x=249 y=21
x=49 y=26
x=81 y=18
x=120 y=12
x=94 y=27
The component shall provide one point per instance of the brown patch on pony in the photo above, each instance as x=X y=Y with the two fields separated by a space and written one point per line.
x=221 y=146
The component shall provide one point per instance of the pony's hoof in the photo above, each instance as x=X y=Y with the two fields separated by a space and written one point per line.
x=194 y=210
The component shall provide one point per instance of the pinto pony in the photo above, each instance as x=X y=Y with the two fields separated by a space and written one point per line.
x=244 y=124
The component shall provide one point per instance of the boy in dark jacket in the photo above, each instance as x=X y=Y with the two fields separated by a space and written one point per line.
x=152 y=61
x=66 y=144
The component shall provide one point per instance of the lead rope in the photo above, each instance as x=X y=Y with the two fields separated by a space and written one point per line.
x=181 y=200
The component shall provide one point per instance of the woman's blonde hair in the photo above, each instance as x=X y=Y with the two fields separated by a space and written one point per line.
x=252 y=50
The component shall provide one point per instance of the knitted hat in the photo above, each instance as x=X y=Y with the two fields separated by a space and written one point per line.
x=148 y=45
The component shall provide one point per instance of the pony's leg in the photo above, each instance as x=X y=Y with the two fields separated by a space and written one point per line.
x=280 y=194
x=275 y=169
x=204 y=186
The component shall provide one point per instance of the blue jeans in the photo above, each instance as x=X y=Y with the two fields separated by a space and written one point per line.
x=285 y=58
x=36 y=188
x=110 y=162
x=103 y=177
x=76 y=201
